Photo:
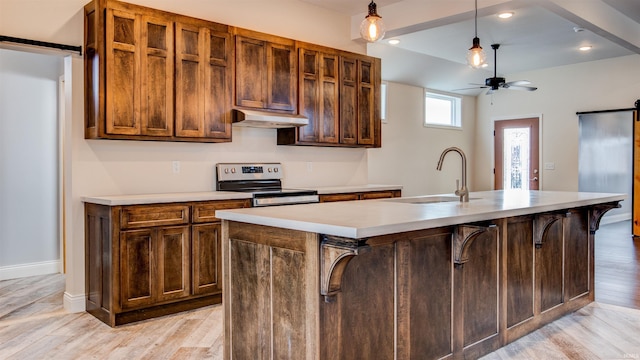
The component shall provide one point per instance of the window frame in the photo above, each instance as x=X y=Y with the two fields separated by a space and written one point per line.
x=455 y=122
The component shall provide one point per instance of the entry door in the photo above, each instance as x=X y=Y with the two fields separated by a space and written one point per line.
x=516 y=145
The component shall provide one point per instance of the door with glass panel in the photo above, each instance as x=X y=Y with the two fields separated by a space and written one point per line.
x=516 y=154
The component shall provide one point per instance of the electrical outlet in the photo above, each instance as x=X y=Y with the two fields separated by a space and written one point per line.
x=176 y=167
x=309 y=167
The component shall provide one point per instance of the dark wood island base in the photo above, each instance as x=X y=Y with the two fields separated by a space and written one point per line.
x=458 y=291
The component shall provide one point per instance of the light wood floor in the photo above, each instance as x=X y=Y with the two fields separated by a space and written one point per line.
x=33 y=324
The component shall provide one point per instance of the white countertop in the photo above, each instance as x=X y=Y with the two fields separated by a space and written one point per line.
x=115 y=200
x=365 y=218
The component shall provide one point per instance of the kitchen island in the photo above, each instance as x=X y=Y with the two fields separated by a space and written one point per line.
x=406 y=278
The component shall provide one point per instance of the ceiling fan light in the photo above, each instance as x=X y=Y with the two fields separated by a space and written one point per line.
x=372 y=28
x=476 y=57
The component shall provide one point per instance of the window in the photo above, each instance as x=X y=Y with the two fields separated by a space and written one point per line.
x=442 y=110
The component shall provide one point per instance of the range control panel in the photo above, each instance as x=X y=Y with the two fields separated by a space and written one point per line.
x=245 y=171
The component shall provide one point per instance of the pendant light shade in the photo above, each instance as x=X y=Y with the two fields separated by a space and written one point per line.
x=476 y=57
x=372 y=27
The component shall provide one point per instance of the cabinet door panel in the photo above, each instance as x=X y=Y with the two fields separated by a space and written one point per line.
x=520 y=282
x=203 y=82
x=173 y=262
x=366 y=103
x=281 y=84
x=330 y=98
x=348 y=102
x=549 y=267
x=217 y=85
x=251 y=77
x=189 y=48
x=122 y=72
x=309 y=95
x=479 y=281
x=577 y=254
x=157 y=77
x=136 y=268
x=207 y=265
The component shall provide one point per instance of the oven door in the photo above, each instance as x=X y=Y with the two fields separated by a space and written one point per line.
x=285 y=197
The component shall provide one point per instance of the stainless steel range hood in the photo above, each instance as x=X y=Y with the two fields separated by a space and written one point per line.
x=264 y=119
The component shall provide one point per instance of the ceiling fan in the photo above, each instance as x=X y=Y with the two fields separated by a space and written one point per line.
x=494 y=83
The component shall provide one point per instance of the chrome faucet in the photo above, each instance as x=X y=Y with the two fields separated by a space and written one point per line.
x=463 y=192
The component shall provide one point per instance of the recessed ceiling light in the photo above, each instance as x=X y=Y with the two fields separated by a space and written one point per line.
x=485 y=65
x=505 y=15
x=394 y=41
x=585 y=48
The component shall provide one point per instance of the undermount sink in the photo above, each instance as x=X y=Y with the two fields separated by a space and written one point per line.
x=426 y=199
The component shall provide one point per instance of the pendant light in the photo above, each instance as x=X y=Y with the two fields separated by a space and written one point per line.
x=372 y=28
x=476 y=56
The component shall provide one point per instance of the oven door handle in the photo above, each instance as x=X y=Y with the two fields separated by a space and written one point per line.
x=285 y=200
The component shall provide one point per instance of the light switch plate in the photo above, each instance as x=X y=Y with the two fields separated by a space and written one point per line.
x=549 y=166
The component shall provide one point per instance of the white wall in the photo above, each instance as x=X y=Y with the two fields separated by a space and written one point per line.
x=410 y=151
x=562 y=91
x=29 y=242
x=103 y=167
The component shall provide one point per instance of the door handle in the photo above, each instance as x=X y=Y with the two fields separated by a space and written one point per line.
x=535 y=178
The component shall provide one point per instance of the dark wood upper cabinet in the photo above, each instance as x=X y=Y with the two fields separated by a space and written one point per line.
x=203 y=82
x=319 y=96
x=265 y=72
x=360 y=122
x=155 y=75
x=339 y=92
x=139 y=87
x=139 y=74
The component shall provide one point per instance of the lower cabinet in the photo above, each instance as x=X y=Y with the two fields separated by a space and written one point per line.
x=144 y=261
x=154 y=265
x=207 y=266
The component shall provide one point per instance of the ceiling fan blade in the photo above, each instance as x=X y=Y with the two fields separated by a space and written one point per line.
x=517 y=87
x=471 y=88
x=519 y=82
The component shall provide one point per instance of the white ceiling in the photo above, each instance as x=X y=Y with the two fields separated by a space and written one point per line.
x=540 y=34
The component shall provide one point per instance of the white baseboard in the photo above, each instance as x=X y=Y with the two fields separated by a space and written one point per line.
x=74 y=303
x=30 y=269
x=610 y=219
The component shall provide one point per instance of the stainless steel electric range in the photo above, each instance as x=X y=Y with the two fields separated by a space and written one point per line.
x=264 y=181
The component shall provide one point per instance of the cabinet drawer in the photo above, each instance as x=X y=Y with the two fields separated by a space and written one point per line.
x=133 y=217
x=339 y=197
x=205 y=212
x=379 y=195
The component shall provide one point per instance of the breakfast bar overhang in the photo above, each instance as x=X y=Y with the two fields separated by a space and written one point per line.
x=406 y=278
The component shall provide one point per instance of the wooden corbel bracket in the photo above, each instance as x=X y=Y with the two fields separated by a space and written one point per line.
x=463 y=237
x=541 y=224
x=335 y=253
x=597 y=212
